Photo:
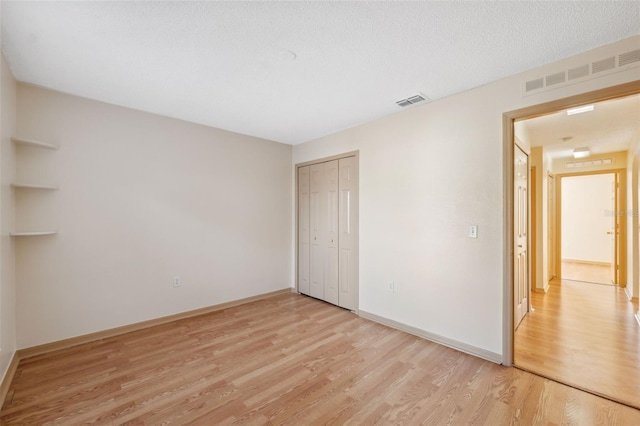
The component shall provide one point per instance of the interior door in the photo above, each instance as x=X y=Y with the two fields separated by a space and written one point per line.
x=551 y=225
x=303 y=230
x=614 y=231
x=316 y=234
x=520 y=232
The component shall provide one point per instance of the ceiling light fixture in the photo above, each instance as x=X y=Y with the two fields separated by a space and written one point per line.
x=581 y=152
x=580 y=110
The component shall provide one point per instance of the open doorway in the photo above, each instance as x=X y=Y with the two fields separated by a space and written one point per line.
x=578 y=333
x=588 y=223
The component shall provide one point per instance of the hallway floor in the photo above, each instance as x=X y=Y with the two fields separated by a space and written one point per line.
x=584 y=335
x=587 y=272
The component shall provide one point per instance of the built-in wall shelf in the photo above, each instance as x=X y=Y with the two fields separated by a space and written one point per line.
x=32 y=233
x=33 y=186
x=34 y=143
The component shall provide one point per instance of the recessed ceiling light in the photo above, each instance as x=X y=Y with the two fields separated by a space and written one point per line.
x=580 y=110
x=581 y=152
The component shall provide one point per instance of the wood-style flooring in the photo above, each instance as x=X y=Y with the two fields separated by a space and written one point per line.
x=587 y=272
x=289 y=360
x=584 y=335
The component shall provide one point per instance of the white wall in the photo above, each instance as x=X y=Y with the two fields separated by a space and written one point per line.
x=587 y=216
x=426 y=174
x=7 y=262
x=142 y=198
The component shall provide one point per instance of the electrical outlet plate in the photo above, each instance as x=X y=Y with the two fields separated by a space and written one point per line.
x=391 y=286
x=473 y=231
x=176 y=282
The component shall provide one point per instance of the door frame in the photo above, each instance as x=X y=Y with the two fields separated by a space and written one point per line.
x=620 y=240
x=356 y=155
x=508 y=138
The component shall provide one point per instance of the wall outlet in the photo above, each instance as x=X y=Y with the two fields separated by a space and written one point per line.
x=391 y=287
x=473 y=231
x=176 y=282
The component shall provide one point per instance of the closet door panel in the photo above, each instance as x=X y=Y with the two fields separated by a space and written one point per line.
x=317 y=221
x=331 y=282
x=304 y=231
x=348 y=227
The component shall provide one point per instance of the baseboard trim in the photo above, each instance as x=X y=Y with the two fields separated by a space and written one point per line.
x=445 y=341
x=587 y=262
x=629 y=296
x=92 y=337
x=8 y=377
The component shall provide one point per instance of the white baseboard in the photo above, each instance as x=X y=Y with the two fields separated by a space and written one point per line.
x=445 y=341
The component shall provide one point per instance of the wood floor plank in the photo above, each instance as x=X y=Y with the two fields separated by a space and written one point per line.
x=288 y=360
x=584 y=335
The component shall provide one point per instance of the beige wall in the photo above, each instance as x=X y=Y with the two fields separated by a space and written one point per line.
x=7 y=262
x=142 y=198
x=428 y=173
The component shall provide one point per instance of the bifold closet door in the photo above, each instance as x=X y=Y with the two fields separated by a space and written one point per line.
x=303 y=230
x=348 y=227
x=328 y=230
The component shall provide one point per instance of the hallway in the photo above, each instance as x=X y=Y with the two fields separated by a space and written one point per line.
x=584 y=335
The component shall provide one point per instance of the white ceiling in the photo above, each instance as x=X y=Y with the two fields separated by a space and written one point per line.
x=220 y=63
x=610 y=127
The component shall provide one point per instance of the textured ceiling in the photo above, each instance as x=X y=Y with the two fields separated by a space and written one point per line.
x=610 y=127
x=220 y=63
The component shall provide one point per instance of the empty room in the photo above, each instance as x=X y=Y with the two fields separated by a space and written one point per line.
x=315 y=212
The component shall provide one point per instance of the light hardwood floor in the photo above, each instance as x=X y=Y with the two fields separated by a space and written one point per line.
x=291 y=360
x=584 y=335
x=587 y=272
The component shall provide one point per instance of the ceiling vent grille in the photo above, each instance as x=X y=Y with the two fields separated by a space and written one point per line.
x=584 y=72
x=412 y=100
x=589 y=163
x=629 y=58
x=603 y=65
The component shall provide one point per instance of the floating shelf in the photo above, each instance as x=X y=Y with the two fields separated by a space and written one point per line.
x=32 y=234
x=32 y=186
x=34 y=143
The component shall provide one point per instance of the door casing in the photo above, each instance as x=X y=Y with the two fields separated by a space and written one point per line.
x=508 y=137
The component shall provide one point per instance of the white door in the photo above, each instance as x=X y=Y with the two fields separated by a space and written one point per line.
x=303 y=230
x=551 y=225
x=613 y=232
x=317 y=233
x=330 y=215
x=347 y=225
x=520 y=232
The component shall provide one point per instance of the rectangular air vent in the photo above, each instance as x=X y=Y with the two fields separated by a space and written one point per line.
x=534 y=84
x=584 y=72
x=556 y=78
x=589 y=163
x=578 y=72
x=629 y=58
x=603 y=65
x=412 y=100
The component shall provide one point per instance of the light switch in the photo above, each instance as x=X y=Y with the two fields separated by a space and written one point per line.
x=473 y=231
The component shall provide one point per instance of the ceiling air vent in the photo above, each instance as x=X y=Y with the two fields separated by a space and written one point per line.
x=412 y=100
x=534 y=84
x=629 y=58
x=556 y=78
x=603 y=65
x=595 y=69
x=578 y=72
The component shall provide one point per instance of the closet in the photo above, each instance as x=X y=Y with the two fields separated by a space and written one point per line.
x=328 y=230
